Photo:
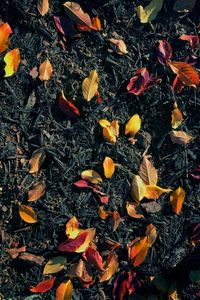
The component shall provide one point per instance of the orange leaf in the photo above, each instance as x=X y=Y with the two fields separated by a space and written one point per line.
x=180 y=137
x=37 y=191
x=14 y=252
x=117 y=220
x=177 y=117
x=45 y=70
x=154 y=191
x=37 y=158
x=64 y=291
x=177 y=199
x=75 y=12
x=186 y=73
x=43 y=6
x=104 y=214
x=109 y=167
x=133 y=125
x=147 y=172
x=110 y=266
x=118 y=46
x=72 y=228
x=137 y=250
x=138 y=188
x=133 y=211
x=5 y=31
x=91 y=176
x=43 y=286
x=12 y=60
x=27 y=214
x=96 y=24
x=151 y=234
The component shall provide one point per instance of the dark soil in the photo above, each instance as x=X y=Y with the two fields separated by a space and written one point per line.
x=77 y=145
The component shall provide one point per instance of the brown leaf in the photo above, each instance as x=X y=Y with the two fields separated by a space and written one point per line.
x=180 y=137
x=117 y=220
x=75 y=12
x=37 y=191
x=110 y=266
x=118 y=46
x=45 y=70
x=14 y=252
x=147 y=172
x=43 y=6
x=177 y=199
x=37 y=158
x=103 y=213
x=39 y=260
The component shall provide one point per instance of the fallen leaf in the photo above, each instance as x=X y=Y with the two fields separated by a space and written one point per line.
x=37 y=158
x=151 y=207
x=83 y=272
x=110 y=266
x=103 y=213
x=154 y=191
x=66 y=27
x=173 y=295
x=43 y=286
x=192 y=39
x=177 y=85
x=137 y=250
x=27 y=214
x=148 y=172
x=67 y=107
x=83 y=184
x=180 y=137
x=80 y=243
x=133 y=211
x=185 y=72
x=37 y=191
x=64 y=291
x=110 y=130
x=72 y=229
x=31 y=258
x=75 y=12
x=43 y=7
x=111 y=244
x=177 y=199
x=196 y=234
x=104 y=123
x=12 y=60
x=151 y=234
x=96 y=24
x=133 y=125
x=90 y=85
x=149 y=13
x=45 y=70
x=138 y=190
x=118 y=46
x=109 y=167
x=117 y=220
x=34 y=72
x=164 y=52
x=104 y=199
x=54 y=265
x=195 y=174
x=93 y=257
x=91 y=176
x=14 y=252
x=177 y=117
x=184 y=6
x=125 y=285
x=5 y=32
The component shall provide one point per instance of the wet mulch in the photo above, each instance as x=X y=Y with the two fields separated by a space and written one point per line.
x=74 y=146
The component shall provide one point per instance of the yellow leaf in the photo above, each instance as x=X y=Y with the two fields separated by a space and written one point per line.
x=12 y=60
x=149 y=13
x=5 y=31
x=177 y=199
x=104 y=123
x=133 y=210
x=138 y=191
x=43 y=6
x=90 y=236
x=133 y=125
x=45 y=70
x=109 y=167
x=177 y=117
x=147 y=172
x=180 y=137
x=110 y=266
x=27 y=214
x=90 y=85
x=118 y=46
x=110 y=130
x=91 y=176
x=64 y=291
x=54 y=265
x=115 y=127
x=72 y=228
x=37 y=158
x=154 y=191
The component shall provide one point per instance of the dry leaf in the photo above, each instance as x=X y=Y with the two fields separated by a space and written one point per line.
x=45 y=70
x=109 y=167
x=5 y=31
x=104 y=123
x=54 y=265
x=164 y=52
x=75 y=12
x=133 y=211
x=92 y=256
x=39 y=260
x=67 y=107
x=27 y=214
x=43 y=286
x=151 y=234
x=37 y=191
x=110 y=267
x=117 y=220
x=177 y=117
x=72 y=228
x=12 y=60
x=64 y=291
x=14 y=252
x=91 y=176
x=148 y=172
x=118 y=46
x=149 y=13
x=37 y=158
x=34 y=72
x=104 y=214
x=138 y=191
x=154 y=191
x=90 y=85
x=180 y=137
x=110 y=130
x=137 y=250
x=177 y=199
x=43 y=6
x=133 y=125
x=185 y=72
x=96 y=24
x=83 y=272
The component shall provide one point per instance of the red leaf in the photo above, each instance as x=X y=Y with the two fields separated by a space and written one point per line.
x=124 y=285
x=104 y=199
x=84 y=273
x=43 y=286
x=67 y=107
x=72 y=244
x=177 y=85
x=196 y=234
x=83 y=184
x=192 y=39
x=93 y=257
x=185 y=72
x=195 y=174
x=164 y=52
x=65 y=26
x=81 y=27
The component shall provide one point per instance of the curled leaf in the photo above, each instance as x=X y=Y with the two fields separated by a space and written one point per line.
x=45 y=70
x=37 y=191
x=151 y=234
x=164 y=52
x=43 y=7
x=177 y=117
x=196 y=174
x=154 y=191
x=64 y=291
x=104 y=123
x=67 y=107
x=110 y=266
x=133 y=125
x=118 y=46
x=90 y=85
x=5 y=31
x=192 y=39
x=138 y=190
x=92 y=256
x=43 y=286
x=37 y=158
x=134 y=211
x=14 y=252
x=180 y=137
x=103 y=213
x=91 y=176
x=148 y=172
x=109 y=167
x=177 y=199
x=12 y=60
x=125 y=285
x=75 y=12
x=27 y=214
x=137 y=250
x=83 y=272
x=149 y=13
x=117 y=220
x=66 y=27
x=54 y=265
x=110 y=130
